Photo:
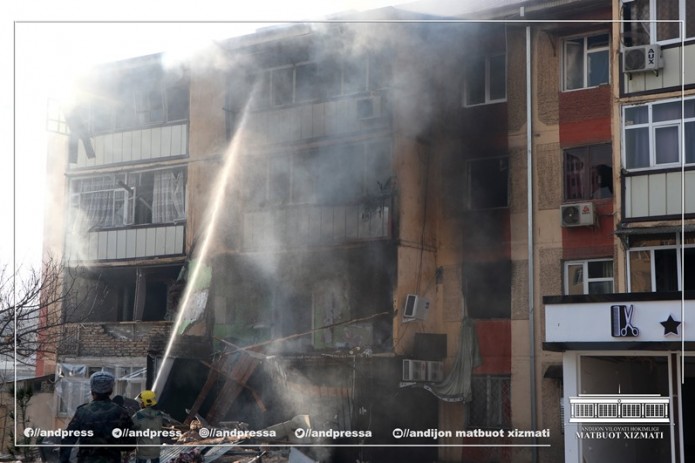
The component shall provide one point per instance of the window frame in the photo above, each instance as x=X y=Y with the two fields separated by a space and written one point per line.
x=652 y=22
x=130 y=197
x=486 y=81
x=652 y=126
x=585 y=274
x=677 y=246
x=469 y=185
x=585 y=60
x=587 y=155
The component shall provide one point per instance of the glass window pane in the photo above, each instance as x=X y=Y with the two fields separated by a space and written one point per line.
x=281 y=81
x=601 y=172
x=597 y=68
x=637 y=148
x=574 y=64
x=637 y=115
x=667 y=10
x=575 y=173
x=666 y=111
x=475 y=82
x=597 y=41
x=498 y=78
x=306 y=82
x=690 y=142
x=600 y=287
x=689 y=19
x=689 y=108
x=640 y=271
x=600 y=269
x=575 y=279
x=666 y=144
x=666 y=270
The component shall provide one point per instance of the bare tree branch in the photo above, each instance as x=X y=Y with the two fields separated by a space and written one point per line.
x=34 y=306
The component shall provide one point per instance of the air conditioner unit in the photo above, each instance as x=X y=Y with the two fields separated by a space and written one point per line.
x=578 y=215
x=435 y=371
x=415 y=308
x=414 y=370
x=642 y=58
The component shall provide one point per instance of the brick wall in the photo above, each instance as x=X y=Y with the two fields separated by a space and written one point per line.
x=124 y=339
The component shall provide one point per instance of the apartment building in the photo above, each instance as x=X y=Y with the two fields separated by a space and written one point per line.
x=417 y=224
x=621 y=323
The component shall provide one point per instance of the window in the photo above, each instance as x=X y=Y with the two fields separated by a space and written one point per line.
x=123 y=294
x=485 y=80
x=141 y=99
x=652 y=134
x=306 y=82
x=488 y=183
x=589 y=277
x=657 y=20
x=655 y=263
x=490 y=407
x=586 y=61
x=487 y=288
x=73 y=390
x=588 y=173
x=340 y=174
x=117 y=200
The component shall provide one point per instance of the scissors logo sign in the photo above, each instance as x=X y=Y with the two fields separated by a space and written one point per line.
x=621 y=322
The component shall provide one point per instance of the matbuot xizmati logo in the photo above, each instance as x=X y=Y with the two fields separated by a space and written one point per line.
x=619 y=408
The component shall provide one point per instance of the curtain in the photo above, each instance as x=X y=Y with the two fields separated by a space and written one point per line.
x=168 y=196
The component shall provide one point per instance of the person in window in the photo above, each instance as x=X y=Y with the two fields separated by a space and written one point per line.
x=149 y=419
x=94 y=424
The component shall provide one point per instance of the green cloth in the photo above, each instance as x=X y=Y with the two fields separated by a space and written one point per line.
x=148 y=419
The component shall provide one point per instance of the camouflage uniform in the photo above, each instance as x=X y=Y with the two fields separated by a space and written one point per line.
x=101 y=417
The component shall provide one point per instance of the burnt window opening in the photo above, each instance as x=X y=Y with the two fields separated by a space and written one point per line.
x=123 y=294
x=487 y=289
x=588 y=173
x=488 y=183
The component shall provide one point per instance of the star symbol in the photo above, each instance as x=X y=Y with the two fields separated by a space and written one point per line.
x=670 y=326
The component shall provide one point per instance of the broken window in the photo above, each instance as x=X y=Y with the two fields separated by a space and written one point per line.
x=72 y=384
x=116 y=200
x=142 y=98
x=487 y=289
x=123 y=294
x=331 y=305
x=488 y=183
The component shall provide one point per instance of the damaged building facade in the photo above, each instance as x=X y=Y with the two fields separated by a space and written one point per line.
x=339 y=220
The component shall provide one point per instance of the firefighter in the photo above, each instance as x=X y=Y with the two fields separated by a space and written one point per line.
x=150 y=419
x=94 y=424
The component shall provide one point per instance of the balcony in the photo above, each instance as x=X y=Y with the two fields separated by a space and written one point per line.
x=154 y=240
x=313 y=225
x=658 y=194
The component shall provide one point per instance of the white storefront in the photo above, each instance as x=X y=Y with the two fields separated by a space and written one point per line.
x=623 y=346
